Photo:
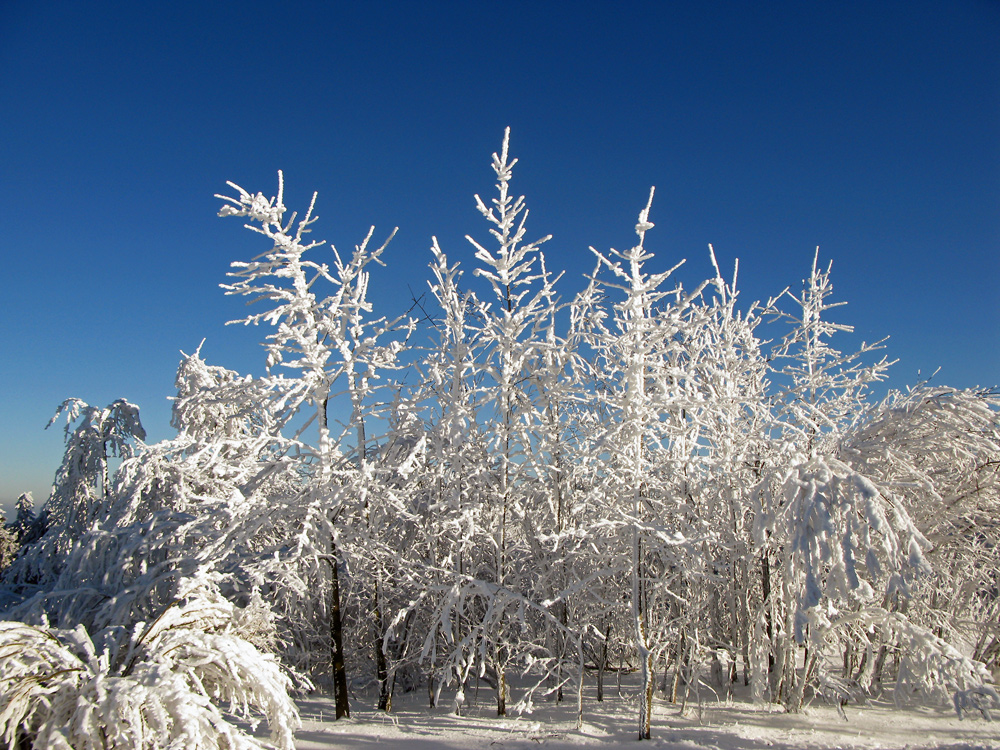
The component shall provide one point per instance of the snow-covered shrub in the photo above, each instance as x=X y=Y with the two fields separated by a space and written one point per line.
x=926 y=668
x=841 y=544
x=177 y=681
x=981 y=699
x=938 y=450
x=844 y=541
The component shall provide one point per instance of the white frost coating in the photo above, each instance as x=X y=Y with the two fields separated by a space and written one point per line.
x=169 y=683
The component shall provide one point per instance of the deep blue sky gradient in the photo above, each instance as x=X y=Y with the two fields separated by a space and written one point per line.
x=871 y=129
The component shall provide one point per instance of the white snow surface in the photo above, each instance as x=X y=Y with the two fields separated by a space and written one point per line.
x=718 y=725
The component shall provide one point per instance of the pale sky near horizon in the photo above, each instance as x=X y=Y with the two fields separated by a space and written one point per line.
x=869 y=129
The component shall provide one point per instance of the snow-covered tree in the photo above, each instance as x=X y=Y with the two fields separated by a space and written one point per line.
x=83 y=481
x=334 y=348
x=8 y=544
x=634 y=473
x=82 y=487
x=731 y=375
x=490 y=385
x=173 y=532
x=821 y=391
x=843 y=545
x=835 y=519
x=646 y=442
x=25 y=518
x=521 y=291
x=453 y=480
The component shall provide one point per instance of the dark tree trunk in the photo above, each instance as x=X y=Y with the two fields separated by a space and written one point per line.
x=381 y=667
x=602 y=665
x=564 y=619
x=337 y=641
x=501 y=690
x=343 y=708
x=765 y=583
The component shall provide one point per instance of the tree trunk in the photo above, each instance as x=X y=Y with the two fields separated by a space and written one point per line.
x=765 y=587
x=679 y=667
x=343 y=709
x=602 y=665
x=641 y=639
x=561 y=641
x=501 y=681
x=646 y=699
x=381 y=666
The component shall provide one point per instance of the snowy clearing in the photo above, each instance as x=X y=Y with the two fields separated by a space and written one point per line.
x=722 y=725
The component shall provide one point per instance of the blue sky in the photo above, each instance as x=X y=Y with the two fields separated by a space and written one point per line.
x=871 y=129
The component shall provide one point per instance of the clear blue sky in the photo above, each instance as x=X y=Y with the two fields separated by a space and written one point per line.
x=871 y=129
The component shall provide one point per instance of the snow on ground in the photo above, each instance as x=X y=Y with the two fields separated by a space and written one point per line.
x=735 y=725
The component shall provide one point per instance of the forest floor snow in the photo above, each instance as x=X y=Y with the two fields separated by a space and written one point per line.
x=717 y=725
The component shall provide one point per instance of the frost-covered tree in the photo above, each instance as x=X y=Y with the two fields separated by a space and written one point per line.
x=83 y=480
x=452 y=481
x=731 y=375
x=821 y=391
x=231 y=462
x=175 y=531
x=82 y=488
x=334 y=348
x=219 y=405
x=490 y=385
x=843 y=546
x=521 y=287
x=632 y=475
x=8 y=544
x=21 y=531
x=24 y=520
x=646 y=442
x=554 y=521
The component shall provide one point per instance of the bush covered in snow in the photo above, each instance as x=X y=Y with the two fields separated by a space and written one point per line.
x=178 y=681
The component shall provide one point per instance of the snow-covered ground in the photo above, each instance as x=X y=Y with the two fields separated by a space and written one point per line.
x=735 y=725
